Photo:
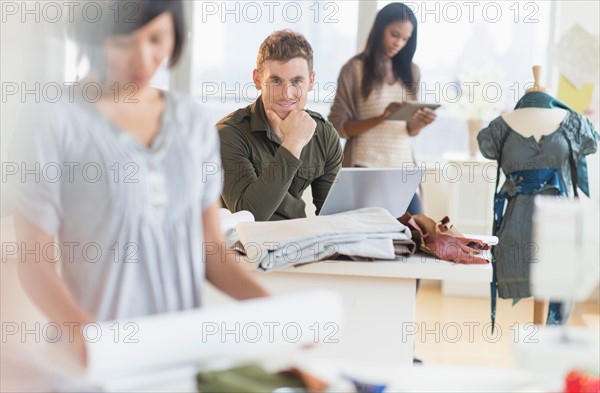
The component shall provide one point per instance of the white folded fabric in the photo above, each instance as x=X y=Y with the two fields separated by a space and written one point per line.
x=228 y=222
x=367 y=233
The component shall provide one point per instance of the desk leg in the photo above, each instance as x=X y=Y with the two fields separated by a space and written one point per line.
x=379 y=314
x=539 y=306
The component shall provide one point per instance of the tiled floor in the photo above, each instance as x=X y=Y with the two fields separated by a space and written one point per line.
x=453 y=330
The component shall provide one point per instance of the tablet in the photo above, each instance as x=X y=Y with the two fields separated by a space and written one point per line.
x=406 y=111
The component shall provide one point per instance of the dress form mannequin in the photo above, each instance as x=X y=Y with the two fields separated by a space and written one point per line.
x=540 y=147
x=535 y=122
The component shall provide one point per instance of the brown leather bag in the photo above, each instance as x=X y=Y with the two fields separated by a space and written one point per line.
x=443 y=240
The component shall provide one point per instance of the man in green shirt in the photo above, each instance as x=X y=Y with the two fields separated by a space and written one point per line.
x=273 y=149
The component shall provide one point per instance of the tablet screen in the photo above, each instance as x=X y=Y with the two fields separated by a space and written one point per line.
x=406 y=111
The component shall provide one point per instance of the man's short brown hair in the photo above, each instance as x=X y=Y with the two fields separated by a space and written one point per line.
x=284 y=45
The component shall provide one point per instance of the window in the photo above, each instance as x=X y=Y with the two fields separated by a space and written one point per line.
x=498 y=40
x=75 y=69
x=454 y=37
x=227 y=36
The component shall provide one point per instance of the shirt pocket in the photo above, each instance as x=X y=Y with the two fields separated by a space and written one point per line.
x=304 y=177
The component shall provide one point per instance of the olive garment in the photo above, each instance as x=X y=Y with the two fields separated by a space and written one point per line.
x=266 y=179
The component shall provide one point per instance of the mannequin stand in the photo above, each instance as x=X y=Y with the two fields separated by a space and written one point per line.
x=539 y=306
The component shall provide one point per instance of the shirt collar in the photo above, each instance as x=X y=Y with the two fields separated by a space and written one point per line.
x=258 y=117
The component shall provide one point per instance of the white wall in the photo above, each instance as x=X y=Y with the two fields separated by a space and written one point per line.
x=32 y=52
x=584 y=13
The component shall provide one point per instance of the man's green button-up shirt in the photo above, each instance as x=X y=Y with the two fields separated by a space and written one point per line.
x=266 y=179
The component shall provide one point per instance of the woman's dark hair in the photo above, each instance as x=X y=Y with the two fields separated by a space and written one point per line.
x=118 y=17
x=374 y=53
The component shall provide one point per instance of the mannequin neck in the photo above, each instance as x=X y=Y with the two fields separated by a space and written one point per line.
x=535 y=122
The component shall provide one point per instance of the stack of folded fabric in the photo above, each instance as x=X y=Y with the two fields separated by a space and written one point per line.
x=371 y=233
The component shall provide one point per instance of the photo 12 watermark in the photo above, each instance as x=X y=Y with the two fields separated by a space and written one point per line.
x=70 y=252
x=52 y=12
x=69 y=172
x=68 y=92
x=269 y=11
x=53 y=332
x=290 y=332
x=469 y=332
x=474 y=11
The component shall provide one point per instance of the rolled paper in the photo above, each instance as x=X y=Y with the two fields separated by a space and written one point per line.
x=237 y=331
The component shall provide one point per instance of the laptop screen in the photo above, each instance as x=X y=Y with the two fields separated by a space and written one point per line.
x=357 y=188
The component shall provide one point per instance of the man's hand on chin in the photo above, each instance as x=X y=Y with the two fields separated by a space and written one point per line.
x=297 y=129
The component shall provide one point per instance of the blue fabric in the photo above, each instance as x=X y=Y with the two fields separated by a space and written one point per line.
x=582 y=176
x=555 y=314
x=558 y=312
x=415 y=205
x=526 y=182
x=493 y=294
x=539 y=99
x=364 y=387
x=543 y=100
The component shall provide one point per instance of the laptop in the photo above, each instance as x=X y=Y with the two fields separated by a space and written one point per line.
x=357 y=188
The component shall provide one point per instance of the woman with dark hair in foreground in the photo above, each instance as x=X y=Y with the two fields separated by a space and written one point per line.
x=135 y=222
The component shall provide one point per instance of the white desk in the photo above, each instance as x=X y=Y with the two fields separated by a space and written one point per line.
x=50 y=373
x=379 y=301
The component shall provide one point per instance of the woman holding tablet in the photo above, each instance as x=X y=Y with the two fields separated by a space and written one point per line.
x=135 y=221
x=373 y=85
